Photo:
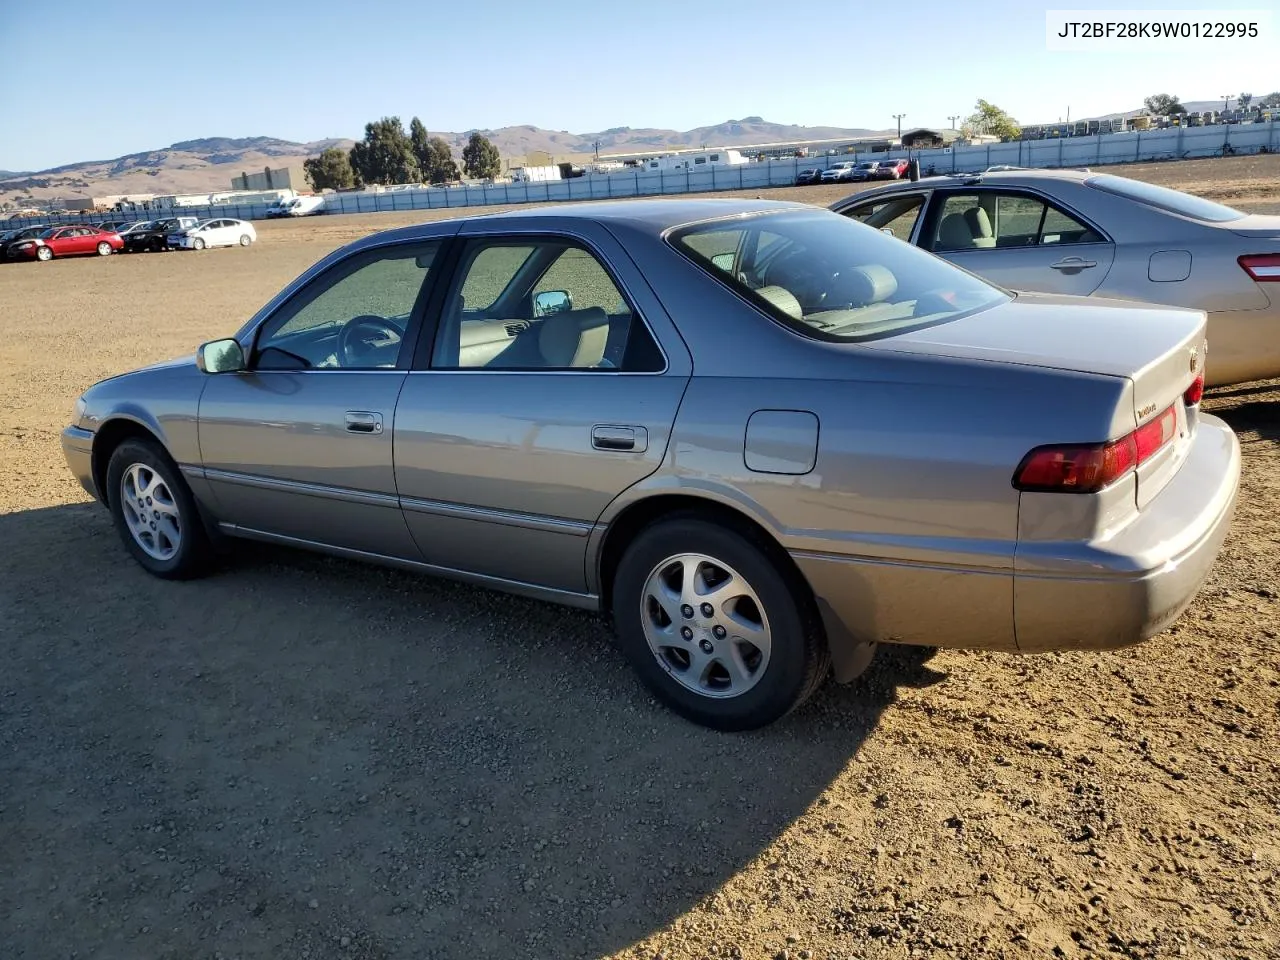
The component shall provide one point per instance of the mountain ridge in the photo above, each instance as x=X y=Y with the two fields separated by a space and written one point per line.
x=207 y=164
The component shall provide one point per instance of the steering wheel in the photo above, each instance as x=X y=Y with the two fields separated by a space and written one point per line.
x=363 y=335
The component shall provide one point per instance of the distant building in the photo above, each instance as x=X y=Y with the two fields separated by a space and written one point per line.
x=925 y=139
x=282 y=178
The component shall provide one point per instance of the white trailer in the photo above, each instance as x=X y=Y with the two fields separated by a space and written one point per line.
x=696 y=162
x=535 y=174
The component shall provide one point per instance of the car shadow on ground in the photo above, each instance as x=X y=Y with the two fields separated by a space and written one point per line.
x=1252 y=411
x=304 y=756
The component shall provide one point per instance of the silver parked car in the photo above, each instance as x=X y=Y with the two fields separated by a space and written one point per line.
x=761 y=436
x=1092 y=234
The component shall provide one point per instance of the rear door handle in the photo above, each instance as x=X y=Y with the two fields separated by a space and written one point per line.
x=364 y=421
x=606 y=436
x=1074 y=263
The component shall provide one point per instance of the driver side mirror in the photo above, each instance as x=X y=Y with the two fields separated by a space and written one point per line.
x=551 y=301
x=220 y=356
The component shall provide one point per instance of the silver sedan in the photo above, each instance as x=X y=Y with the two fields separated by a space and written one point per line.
x=1097 y=234
x=763 y=437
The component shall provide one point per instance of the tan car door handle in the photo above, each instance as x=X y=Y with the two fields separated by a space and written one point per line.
x=611 y=437
x=364 y=421
x=1074 y=263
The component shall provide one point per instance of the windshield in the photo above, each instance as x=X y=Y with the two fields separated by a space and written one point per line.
x=47 y=232
x=1175 y=201
x=833 y=278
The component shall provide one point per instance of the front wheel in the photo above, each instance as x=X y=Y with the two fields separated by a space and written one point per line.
x=245 y=240
x=715 y=629
x=104 y=249
x=197 y=244
x=154 y=511
x=44 y=253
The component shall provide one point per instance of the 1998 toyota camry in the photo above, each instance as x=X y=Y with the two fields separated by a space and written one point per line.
x=761 y=436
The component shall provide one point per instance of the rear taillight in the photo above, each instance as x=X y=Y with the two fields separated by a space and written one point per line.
x=1088 y=468
x=1194 y=392
x=1263 y=267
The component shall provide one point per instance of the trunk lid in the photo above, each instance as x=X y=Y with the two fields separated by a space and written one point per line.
x=1256 y=226
x=1160 y=350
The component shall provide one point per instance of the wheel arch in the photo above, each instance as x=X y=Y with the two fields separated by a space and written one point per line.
x=656 y=505
x=114 y=431
x=850 y=655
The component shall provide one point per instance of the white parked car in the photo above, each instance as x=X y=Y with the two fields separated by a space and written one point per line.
x=220 y=232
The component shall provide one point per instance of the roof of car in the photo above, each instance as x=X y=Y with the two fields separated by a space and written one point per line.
x=652 y=214
x=1006 y=178
x=660 y=213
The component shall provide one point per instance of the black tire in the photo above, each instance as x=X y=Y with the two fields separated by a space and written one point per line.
x=104 y=249
x=799 y=660
x=45 y=254
x=194 y=553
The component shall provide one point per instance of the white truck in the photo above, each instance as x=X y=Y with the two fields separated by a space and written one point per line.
x=300 y=206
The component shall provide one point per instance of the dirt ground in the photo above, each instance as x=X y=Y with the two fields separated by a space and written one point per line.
x=308 y=758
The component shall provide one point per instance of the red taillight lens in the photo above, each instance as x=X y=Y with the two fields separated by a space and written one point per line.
x=1195 y=392
x=1263 y=267
x=1087 y=468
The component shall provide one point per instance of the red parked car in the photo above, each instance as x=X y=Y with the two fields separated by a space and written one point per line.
x=68 y=242
x=891 y=170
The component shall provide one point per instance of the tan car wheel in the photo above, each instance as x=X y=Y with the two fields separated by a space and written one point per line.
x=154 y=511
x=714 y=628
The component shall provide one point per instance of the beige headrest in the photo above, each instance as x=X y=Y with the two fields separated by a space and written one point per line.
x=575 y=338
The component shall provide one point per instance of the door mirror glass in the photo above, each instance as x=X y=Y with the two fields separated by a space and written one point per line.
x=220 y=356
x=551 y=301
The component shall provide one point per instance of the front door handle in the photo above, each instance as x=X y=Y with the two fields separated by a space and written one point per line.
x=605 y=436
x=364 y=421
x=1073 y=263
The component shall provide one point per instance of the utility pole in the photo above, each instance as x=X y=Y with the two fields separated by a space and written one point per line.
x=898 y=117
x=1226 y=100
x=953 y=121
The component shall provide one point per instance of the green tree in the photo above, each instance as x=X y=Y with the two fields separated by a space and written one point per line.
x=1244 y=100
x=1163 y=105
x=1271 y=100
x=331 y=170
x=480 y=158
x=440 y=166
x=990 y=119
x=385 y=155
x=420 y=140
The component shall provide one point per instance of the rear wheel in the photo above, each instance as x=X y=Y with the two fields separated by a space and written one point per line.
x=44 y=253
x=714 y=628
x=104 y=249
x=154 y=511
x=245 y=240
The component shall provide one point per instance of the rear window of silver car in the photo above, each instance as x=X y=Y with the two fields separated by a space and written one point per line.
x=833 y=278
x=1183 y=204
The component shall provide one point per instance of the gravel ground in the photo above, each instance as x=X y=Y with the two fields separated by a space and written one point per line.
x=307 y=758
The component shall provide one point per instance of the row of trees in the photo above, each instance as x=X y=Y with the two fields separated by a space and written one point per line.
x=1166 y=105
x=388 y=154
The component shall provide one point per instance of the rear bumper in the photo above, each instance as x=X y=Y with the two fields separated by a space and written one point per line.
x=1133 y=585
x=77 y=447
x=1042 y=596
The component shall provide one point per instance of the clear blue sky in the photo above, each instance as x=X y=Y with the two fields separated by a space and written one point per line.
x=87 y=80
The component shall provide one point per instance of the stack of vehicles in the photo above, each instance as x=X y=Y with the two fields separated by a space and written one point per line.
x=61 y=241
